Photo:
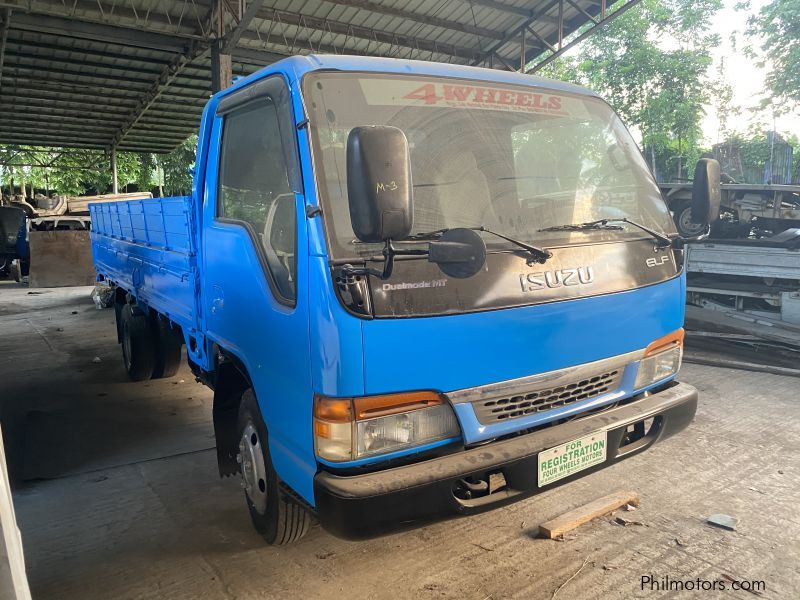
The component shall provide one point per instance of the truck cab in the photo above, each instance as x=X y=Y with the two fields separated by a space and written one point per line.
x=417 y=290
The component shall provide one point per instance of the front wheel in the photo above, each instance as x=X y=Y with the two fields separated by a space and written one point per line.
x=276 y=517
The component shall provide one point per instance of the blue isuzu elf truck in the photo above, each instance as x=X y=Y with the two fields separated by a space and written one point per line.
x=416 y=290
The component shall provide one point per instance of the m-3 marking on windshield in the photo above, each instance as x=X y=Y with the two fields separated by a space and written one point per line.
x=532 y=282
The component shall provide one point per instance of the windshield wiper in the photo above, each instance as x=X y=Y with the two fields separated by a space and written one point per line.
x=663 y=240
x=540 y=255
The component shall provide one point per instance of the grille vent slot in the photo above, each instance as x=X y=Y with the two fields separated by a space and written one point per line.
x=494 y=410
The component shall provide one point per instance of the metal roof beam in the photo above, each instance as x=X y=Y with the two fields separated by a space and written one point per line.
x=79 y=90
x=32 y=128
x=100 y=65
x=118 y=35
x=186 y=24
x=580 y=9
x=100 y=80
x=516 y=31
x=57 y=24
x=97 y=104
x=606 y=19
x=94 y=52
x=77 y=144
x=50 y=140
x=354 y=31
x=231 y=38
x=500 y=6
x=422 y=18
x=252 y=56
x=21 y=108
x=168 y=76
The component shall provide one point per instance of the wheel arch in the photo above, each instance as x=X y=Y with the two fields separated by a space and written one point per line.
x=231 y=379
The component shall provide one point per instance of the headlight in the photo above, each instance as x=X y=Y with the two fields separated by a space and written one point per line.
x=661 y=359
x=352 y=428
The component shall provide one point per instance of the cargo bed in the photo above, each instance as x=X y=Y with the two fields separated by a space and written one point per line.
x=146 y=246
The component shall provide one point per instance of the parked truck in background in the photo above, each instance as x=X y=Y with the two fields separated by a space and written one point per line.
x=746 y=209
x=416 y=290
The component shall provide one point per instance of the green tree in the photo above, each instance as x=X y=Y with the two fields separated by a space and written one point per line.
x=74 y=172
x=658 y=88
x=176 y=166
x=778 y=26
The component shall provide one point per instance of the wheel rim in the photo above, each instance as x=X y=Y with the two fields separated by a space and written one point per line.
x=254 y=468
x=686 y=223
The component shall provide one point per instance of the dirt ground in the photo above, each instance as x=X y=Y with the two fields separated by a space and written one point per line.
x=119 y=495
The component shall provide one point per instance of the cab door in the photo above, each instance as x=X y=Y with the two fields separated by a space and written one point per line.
x=255 y=265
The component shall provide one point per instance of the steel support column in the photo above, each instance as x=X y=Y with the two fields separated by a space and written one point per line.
x=114 y=180
x=221 y=67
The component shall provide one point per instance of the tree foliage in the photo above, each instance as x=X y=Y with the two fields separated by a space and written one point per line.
x=73 y=172
x=175 y=167
x=658 y=87
x=778 y=26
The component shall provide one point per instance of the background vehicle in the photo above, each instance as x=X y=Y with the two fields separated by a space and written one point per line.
x=13 y=242
x=416 y=289
x=759 y=209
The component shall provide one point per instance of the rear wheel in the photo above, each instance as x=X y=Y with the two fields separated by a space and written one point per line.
x=138 y=344
x=275 y=516
x=168 y=343
x=683 y=220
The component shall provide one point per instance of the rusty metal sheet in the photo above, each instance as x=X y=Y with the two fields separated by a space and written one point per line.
x=60 y=259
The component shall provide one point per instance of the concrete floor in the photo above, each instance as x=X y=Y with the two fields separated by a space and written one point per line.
x=119 y=496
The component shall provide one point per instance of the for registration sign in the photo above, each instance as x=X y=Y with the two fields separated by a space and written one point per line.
x=567 y=459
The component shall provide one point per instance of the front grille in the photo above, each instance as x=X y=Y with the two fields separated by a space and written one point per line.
x=493 y=410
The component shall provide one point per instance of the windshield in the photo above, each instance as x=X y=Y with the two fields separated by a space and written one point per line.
x=513 y=159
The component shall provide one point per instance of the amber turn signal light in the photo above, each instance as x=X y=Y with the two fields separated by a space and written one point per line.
x=665 y=343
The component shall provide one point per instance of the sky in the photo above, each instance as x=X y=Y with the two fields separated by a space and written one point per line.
x=744 y=75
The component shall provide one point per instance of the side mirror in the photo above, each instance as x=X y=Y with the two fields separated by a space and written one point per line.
x=379 y=183
x=706 y=191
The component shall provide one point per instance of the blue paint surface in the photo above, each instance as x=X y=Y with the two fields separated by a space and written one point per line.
x=173 y=255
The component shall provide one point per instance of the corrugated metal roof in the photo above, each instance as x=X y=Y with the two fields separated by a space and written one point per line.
x=135 y=74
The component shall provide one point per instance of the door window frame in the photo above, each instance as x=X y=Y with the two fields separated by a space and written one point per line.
x=275 y=89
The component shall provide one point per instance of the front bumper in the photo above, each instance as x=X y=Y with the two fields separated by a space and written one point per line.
x=365 y=505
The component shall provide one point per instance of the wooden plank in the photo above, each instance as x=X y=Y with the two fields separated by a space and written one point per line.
x=583 y=514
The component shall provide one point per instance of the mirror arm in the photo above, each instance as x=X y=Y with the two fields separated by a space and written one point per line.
x=681 y=242
x=389 y=254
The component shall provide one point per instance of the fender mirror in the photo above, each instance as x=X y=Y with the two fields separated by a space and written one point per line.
x=459 y=252
x=379 y=183
x=706 y=191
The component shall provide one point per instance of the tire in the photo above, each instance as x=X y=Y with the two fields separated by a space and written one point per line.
x=168 y=343
x=683 y=220
x=275 y=516
x=138 y=344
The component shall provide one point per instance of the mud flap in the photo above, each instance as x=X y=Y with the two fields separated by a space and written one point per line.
x=228 y=392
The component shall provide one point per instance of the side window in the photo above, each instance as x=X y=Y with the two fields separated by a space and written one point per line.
x=254 y=188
